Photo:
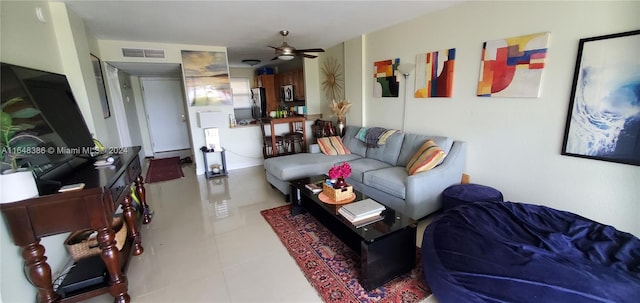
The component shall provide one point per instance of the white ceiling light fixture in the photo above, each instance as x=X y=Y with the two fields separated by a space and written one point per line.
x=251 y=62
x=285 y=57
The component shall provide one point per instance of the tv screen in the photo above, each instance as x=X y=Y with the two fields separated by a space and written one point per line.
x=59 y=123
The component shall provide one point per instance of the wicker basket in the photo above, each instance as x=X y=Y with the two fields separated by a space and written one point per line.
x=82 y=243
x=337 y=194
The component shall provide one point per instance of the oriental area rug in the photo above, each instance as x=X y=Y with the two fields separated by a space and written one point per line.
x=332 y=267
x=164 y=169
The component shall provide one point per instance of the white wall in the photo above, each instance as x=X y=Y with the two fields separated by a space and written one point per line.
x=34 y=45
x=136 y=87
x=514 y=143
x=73 y=45
x=336 y=52
x=354 y=78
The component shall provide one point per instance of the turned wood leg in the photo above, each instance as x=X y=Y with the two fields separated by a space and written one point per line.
x=141 y=192
x=129 y=218
x=117 y=281
x=39 y=271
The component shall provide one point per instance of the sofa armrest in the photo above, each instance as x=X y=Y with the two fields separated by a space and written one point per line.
x=314 y=148
x=424 y=190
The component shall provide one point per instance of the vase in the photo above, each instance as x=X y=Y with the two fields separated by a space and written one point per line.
x=17 y=186
x=340 y=128
x=340 y=183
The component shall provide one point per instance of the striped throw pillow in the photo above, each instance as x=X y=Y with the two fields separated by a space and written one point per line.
x=332 y=146
x=428 y=156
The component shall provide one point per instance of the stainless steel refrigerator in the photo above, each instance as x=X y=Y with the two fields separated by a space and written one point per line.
x=259 y=103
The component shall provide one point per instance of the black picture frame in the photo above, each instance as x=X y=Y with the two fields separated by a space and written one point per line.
x=102 y=90
x=288 y=93
x=603 y=120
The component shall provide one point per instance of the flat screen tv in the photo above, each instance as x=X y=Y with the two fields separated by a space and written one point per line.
x=59 y=124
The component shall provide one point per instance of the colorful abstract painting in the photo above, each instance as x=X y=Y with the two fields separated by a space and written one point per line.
x=434 y=74
x=604 y=116
x=206 y=78
x=385 y=78
x=513 y=67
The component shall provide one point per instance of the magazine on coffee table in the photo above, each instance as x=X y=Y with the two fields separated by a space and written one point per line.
x=314 y=187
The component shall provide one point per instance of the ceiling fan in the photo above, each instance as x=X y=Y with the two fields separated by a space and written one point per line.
x=288 y=52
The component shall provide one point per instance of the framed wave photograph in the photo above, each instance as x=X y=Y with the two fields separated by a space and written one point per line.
x=603 y=121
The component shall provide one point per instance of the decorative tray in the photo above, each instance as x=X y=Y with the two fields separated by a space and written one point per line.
x=326 y=199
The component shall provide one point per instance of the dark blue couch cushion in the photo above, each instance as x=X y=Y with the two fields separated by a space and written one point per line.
x=515 y=252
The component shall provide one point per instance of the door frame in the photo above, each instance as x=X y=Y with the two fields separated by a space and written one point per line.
x=122 y=125
x=189 y=150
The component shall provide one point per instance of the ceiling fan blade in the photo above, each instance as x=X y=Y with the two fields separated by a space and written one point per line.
x=274 y=58
x=273 y=47
x=309 y=56
x=311 y=50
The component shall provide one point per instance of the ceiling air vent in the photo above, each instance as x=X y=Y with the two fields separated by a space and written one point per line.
x=143 y=53
x=154 y=53
x=133 y=52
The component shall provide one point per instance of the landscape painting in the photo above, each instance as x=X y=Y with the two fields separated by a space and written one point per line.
x=603 y=121
x=434 y=74
x=512 y=67
x=206 y=78
x=385 y=78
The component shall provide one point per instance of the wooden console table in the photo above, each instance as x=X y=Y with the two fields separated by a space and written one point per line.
x=55 y=213
x=291 y=121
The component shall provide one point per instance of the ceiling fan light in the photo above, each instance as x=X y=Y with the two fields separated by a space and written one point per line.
x=285 y=57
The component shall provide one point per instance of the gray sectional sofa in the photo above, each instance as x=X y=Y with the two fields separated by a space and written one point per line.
x=380 y=172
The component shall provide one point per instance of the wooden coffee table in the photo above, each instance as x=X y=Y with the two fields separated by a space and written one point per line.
x=387 y=248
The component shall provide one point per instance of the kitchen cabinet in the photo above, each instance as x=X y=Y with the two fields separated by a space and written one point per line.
x=273 y=88
x=295 y=78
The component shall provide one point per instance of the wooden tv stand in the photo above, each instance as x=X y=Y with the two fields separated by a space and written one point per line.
x=55 y=213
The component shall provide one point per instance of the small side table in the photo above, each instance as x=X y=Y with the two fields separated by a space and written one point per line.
x=209 y=173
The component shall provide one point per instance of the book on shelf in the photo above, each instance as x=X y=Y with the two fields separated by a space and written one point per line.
x=367 y=221
x=349 y=216
x=362 y=209
x=70 y=187
x=314 y=187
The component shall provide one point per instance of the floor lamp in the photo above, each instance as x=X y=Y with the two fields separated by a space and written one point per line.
x=405 y=69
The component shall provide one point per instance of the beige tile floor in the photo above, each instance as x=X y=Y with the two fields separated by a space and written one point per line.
x=208 y=243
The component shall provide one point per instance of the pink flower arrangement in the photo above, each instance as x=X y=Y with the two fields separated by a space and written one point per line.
x=340 y=171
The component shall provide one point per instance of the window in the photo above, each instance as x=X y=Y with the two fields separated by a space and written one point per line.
x=241 y=91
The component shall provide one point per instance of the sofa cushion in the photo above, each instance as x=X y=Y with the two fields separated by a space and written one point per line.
x=391 y=180
x=360 y=166
x=352 y=143
x=389 y=151
x=412 y=143
x=332 y=146
x=428 y=156
x=303 y=165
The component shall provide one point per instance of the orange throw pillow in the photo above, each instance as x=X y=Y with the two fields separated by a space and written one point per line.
x=428 y=156
x=332 y=146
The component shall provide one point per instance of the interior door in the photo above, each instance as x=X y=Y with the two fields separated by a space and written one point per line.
x=164 y=103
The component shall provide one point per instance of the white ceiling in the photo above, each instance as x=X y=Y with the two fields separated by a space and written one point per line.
x=246 y=28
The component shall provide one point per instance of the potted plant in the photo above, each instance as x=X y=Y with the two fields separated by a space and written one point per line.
x=340 y=109
x=16 y=143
